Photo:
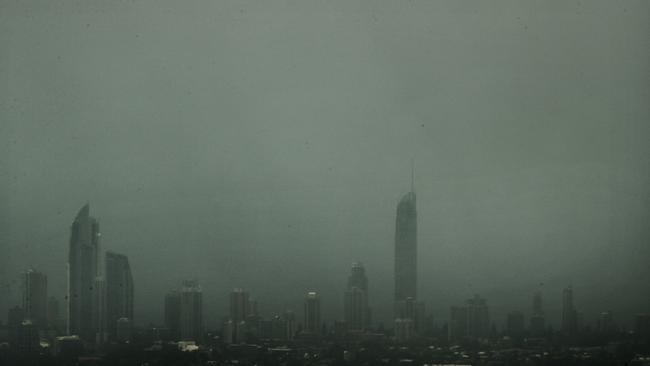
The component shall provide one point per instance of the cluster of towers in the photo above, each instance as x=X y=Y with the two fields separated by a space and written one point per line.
x=100 y=294
x=470 y=321
x=38 y=312
x=184 y=311
x=183 y=317
x=99 y=297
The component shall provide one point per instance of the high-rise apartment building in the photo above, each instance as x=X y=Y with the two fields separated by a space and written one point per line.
x=537 y=319
x=82 y=271
x=35 y=298
x=355 y=303
x=119 y=291
x=191 y=314
x=312 y=323
x=173 y=314
x=569 y=313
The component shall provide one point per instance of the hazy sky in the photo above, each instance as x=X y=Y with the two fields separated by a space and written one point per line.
x=265 y=145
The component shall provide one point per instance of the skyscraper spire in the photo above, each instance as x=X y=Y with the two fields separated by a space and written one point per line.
x=412 y=175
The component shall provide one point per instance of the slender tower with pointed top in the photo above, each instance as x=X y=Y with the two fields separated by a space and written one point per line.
x=406 y=246
x=413 y=175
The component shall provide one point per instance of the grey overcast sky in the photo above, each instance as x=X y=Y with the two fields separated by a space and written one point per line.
x=265 y=145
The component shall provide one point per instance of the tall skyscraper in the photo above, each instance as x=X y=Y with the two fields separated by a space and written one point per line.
x=606 y=322
x=569 y=313
x=537 y=320
x=191 y=320
x=406 y=242
x=228 y=332
x=478 y=320
x=240 y=306
x=358 y=277
x=82 y=270
x=243 y=313
x=119 y=291
x=469 y=321
x=406 y=248
x=173 y=314
x=404 y=329
x=312 y=313
x=35 y=298
x=409 y=308
x=356 y=309
x=290 y=321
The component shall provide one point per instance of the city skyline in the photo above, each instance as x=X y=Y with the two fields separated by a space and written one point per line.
x=447 y=182
x=113 y=286
x=111 y=295
x=265 y=139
